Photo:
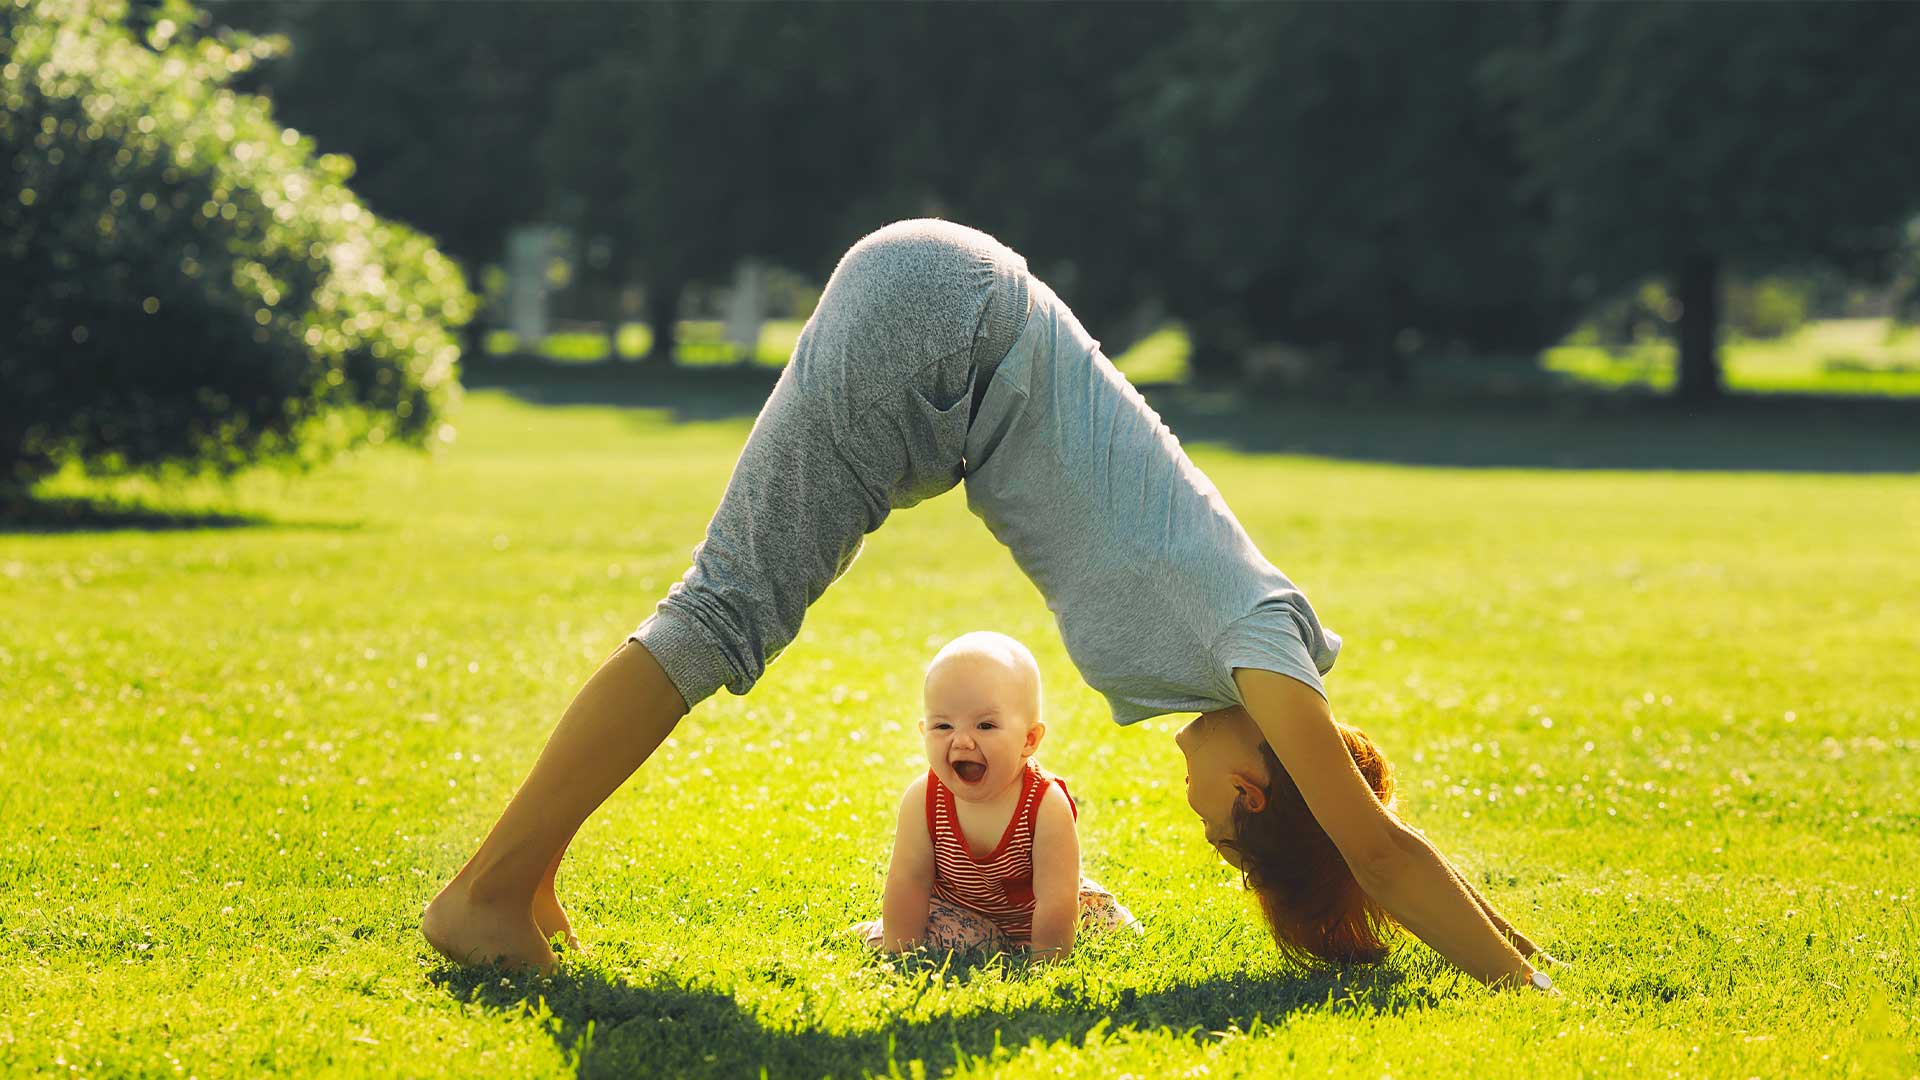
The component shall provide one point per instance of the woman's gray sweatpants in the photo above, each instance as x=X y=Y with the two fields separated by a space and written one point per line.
x=870 y=415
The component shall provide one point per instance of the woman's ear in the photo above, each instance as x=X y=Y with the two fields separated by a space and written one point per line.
x=1248 y=792
x=1034 y=734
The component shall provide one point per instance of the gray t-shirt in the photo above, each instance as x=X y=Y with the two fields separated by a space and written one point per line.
x=1159 y=592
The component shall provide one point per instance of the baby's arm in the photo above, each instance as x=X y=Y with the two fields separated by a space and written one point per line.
x=903 y=909
x=1056 y=876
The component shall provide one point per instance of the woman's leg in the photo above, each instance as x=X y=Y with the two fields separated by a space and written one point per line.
x=548 y=915
x=485 y=914
x=869 y=416
x=791 y=519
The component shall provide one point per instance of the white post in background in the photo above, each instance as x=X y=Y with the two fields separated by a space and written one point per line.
x=529 y=250
x=746 y=309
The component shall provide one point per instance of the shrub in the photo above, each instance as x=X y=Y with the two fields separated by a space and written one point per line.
x=1756 y=309
x=1766 y=308
x=182 y=280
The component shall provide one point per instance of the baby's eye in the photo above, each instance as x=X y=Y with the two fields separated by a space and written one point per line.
x=941 y=725
x=988 y=726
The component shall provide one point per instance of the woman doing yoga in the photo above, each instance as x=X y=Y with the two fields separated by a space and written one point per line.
x=935 y=358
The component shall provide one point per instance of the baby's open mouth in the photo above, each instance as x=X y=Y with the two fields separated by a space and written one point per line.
x=970 y=771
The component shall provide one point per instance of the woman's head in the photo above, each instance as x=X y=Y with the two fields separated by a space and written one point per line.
x=1257 y=820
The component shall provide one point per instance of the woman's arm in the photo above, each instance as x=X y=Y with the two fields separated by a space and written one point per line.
x=1520 y=941
x=1056 y=876
x=1393 y=863
x=903 y=908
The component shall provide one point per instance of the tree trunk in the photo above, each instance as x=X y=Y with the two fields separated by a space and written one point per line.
x=1385 y=357
x=1212 y=358
x=473 y=343
x=1211 y=364
x=1697 y=290
x=663 y=318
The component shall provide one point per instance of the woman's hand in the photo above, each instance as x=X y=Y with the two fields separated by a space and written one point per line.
x=1393 y=863
x=1518 y=940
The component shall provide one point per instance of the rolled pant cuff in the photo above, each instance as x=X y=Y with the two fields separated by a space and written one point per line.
x=693 y=663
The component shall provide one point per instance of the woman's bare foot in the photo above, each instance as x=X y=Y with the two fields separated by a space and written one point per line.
x=551 y=918
x=471 y=932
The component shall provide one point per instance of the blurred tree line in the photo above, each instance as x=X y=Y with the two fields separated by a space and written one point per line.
x=1374 y=183
x=1366 y=184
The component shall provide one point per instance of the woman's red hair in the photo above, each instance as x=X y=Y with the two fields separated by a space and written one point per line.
x=1317 y=911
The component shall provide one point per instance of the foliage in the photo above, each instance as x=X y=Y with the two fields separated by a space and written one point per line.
x=184 y=280
x=791 y=130
x=1014 y=118
x=1760 y=309
x=1767 y=308
x=1857 y=358
x=678 y=142
x=223 y=818
x=1907 y=277
x=441 y=109
x=1370 y=183
x=1336 y=176
x=676 y=139
x=1759 y=136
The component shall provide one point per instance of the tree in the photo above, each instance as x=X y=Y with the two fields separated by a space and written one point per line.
x=183 y=279
x=440 y=108
x=1013 y=117
x=1683 y=138
x=1336 y=176
x=785 y=132
x=674 y=144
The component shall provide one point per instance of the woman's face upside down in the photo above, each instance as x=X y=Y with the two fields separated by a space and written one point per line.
x=1224 y=767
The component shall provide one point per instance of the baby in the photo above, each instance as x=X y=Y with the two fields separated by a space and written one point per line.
x=986 y=854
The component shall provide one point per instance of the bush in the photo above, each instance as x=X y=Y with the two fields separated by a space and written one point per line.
x=1766 y=308
x=181 y=279
x=1906 y=278
x=1627 y=321
x=1756 y=309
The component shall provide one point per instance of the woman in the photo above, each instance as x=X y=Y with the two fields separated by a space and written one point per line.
x=933 y=358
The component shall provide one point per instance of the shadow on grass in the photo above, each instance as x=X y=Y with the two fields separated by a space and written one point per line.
x=663 y=1028
x=1560 y=430
x=1544 y=425
x=691 y=394
x=81 y=515
x=64 y=515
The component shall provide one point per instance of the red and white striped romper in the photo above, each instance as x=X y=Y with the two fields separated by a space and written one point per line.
x=998 y=885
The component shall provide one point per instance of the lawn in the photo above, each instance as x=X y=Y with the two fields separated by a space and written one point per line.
x=1670 y=718
x=1856 y=357
x=1833 y=356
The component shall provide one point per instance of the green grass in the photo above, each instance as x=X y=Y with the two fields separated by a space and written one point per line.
x=703 y=343
x=1867 y=357
x=1670 y=720
x=1836 y=356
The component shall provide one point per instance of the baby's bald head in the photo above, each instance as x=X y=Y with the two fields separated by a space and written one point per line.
x=984 y=662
